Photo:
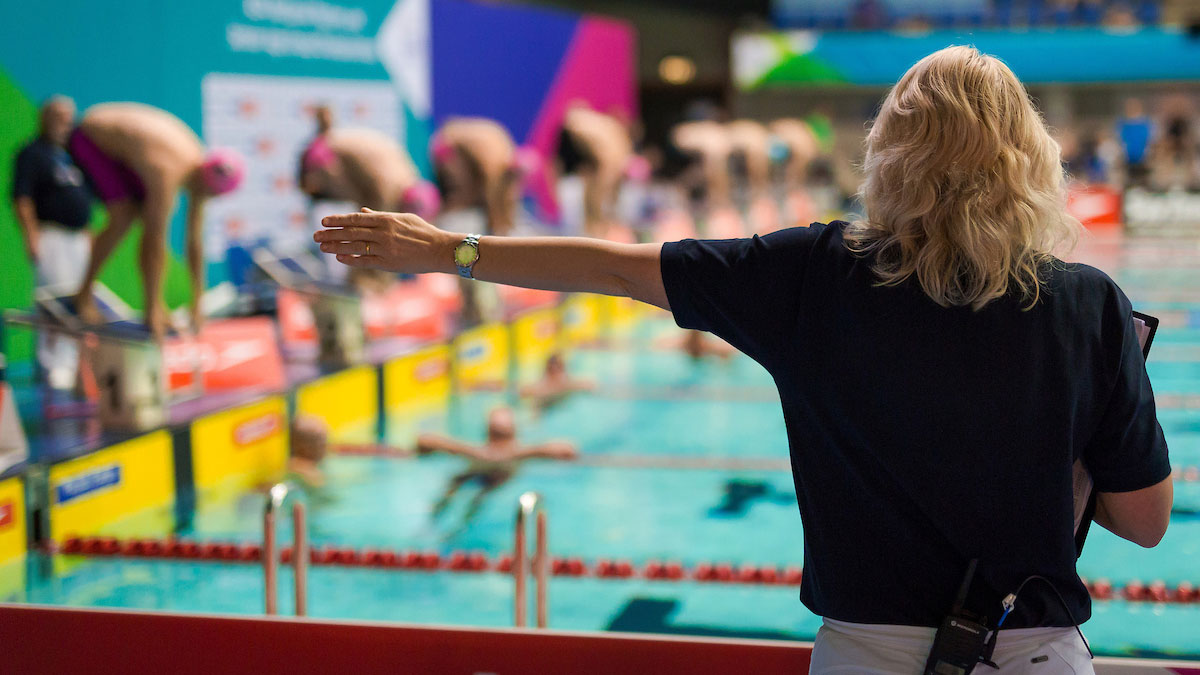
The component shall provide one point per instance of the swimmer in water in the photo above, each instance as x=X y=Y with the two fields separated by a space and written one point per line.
x=137 y=158
x=309 y=443
x=556 y=384
x=494 y=462
x=698 y=345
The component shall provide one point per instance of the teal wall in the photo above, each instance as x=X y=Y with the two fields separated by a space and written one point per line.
x=158 y=52
x=1037 y=56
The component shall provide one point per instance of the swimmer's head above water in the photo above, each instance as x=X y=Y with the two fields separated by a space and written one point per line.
x=309 y=438
x=502 y=425
x=555 y=366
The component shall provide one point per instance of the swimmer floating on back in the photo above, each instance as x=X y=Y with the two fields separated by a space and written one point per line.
x=493 y=462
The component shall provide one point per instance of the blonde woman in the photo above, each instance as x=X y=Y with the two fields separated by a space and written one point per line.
x=940 y=371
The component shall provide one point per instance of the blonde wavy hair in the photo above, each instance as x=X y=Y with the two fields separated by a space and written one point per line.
x=963 y=184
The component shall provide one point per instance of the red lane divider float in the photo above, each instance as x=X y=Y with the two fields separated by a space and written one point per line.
x=477 y=561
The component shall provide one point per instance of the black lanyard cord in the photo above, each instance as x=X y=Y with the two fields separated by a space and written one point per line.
x=1011 y=600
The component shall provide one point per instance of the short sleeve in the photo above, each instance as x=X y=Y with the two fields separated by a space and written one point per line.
x=1128 y=451
x=24 y=175
x=746 y=291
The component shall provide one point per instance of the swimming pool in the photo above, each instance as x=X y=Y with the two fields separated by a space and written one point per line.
x=681 y=461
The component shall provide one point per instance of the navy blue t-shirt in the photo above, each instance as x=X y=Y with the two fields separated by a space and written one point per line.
x=922 y=436
x=45 y=173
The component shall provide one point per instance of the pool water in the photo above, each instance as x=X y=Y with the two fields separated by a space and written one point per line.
x=665 y=442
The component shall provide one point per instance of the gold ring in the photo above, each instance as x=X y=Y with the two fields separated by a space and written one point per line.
x=368 y=248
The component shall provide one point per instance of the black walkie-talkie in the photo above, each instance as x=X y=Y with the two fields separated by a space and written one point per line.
x=961 y=641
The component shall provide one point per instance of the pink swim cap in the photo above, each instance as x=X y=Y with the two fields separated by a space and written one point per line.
x=318 y=155
x=440 y=150
x=527 y=161
x=223 y=170
x=423 y=199
x=637 y=169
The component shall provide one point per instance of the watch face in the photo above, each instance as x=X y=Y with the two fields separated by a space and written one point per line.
x=465 y=254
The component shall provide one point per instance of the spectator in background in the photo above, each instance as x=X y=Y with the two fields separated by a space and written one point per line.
x=1135 y=131
x=1120 y=15
x=869 y=15
x=1083 y=160
x=1173 y=157
x=53 y=205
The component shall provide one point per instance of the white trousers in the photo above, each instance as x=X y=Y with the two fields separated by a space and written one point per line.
x=62 y=261
x=866 y=649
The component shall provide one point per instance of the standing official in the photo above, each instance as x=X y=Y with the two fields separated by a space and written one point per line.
x=53 y=204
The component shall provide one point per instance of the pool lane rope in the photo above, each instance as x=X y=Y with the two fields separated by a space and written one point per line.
x=478 y=562
x=1181 y=474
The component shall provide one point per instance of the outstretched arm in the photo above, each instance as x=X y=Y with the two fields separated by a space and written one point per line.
x=427 y=443
x=549 y=450
x=402 y=242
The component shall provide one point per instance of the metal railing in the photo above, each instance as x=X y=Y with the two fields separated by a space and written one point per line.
x=530 y=503
x=270 y=553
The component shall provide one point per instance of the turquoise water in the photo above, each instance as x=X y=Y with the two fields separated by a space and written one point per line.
x=651 y=405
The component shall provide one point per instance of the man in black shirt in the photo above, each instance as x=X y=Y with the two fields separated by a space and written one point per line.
x=53 y=205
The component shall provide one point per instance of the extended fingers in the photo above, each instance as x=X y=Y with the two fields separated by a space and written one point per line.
x=364 y=219
x=349 y=248
x=347 y=234
x=360 y=260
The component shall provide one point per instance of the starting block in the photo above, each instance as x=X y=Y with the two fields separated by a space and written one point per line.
x=120 y=368
x=13 y=447
x=128 y=376
x=308 y=302
x=132 y=379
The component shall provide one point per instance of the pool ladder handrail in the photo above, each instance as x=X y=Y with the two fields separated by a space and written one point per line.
x=279 y=493
x=528 y=504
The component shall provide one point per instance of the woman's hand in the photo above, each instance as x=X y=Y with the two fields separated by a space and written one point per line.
x=397 y=242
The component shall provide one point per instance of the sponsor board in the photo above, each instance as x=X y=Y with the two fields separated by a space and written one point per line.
x=417 y=381
x=12 y=521
x=481 y=355
x=347 y=401
x=1167 y=213
x=1096 y=206
x=535 y=337
x=105 y=491
x=227 y=355
x=581 y=315
x=240 y=448
x=619 y=314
